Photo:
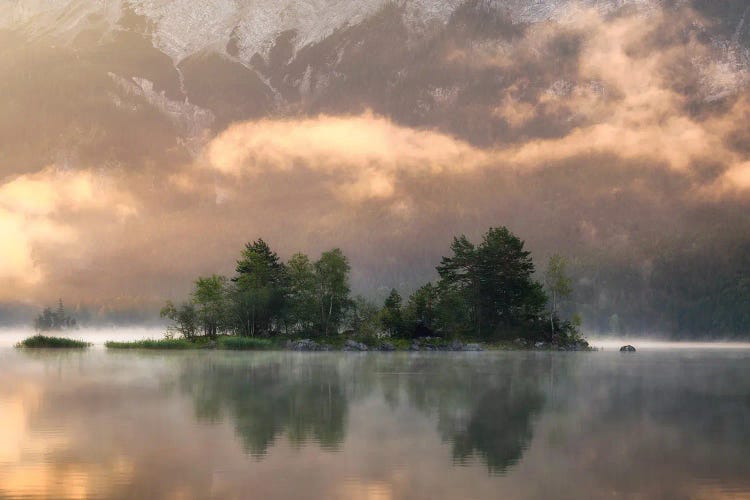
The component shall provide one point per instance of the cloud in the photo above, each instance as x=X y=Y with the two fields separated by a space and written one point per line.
x=625 y=99
x=588 y=136
x=39 y=210
x=363 y=153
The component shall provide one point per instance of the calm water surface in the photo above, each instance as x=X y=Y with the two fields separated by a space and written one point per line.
x=656 y=424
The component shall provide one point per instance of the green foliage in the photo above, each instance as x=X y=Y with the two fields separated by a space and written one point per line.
x=332 y=284
x=484 y=290
x=364 y=318
x=154 y=344
x=492 y=283
x=422 y=307
x=184 y=319
x=302 y=301
x=244 y=344
x=259 y=288
x=56 y=320
x=558 y=284
x=556 y=280
x=392 y=316
x=211 y=304
x=42 y=341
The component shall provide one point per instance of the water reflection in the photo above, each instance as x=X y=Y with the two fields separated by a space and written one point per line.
x=269 y=395
x=298 y=425
x=485 y=407
x=306 y=398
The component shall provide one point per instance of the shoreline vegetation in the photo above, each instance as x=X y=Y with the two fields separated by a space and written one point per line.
x=46 y=342
x=427 y=344
x=487 y=297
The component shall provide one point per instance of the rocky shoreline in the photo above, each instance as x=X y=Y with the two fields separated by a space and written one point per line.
x=429 y=344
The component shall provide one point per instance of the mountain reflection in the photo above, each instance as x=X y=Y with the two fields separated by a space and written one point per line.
x=266 y=397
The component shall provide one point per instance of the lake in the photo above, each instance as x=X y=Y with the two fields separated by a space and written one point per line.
x=661 y=423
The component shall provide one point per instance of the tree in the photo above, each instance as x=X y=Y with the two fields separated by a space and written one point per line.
x=494 y=279
x=421 y=306
x=301 y=307
x=184 y=319
x=259 y=289
x=332 y=283
x=459 y=278
x=58 y=319
x=559 y=285
x=364 y=317
x=392 y=315
x=210 y=300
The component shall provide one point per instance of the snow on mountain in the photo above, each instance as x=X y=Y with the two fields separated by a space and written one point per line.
x=186 y=27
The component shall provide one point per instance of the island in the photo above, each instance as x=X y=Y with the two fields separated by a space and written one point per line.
x=487 y=297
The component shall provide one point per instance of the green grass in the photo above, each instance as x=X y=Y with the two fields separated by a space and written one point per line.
x=154 y=344
x=245 y=344
x=43 y=341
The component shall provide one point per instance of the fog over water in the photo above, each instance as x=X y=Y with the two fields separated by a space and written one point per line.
x=660 y=423
x=98 y=336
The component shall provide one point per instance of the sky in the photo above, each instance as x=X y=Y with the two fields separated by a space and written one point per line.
x=612 y=138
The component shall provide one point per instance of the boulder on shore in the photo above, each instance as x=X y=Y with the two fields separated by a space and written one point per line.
x=627 y=348
x=353 y=345
x=473 y=347
x=387 y=347
x=303 y=345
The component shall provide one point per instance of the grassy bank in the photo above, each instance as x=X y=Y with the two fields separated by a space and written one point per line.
x=245 y=344
x=154 y=344
x=340 y=343
x=43 y=341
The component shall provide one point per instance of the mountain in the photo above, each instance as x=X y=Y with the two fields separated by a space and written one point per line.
x=612 y=130
x=231 y=60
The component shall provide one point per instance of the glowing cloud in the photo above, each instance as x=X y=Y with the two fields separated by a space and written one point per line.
x=32 y=213
x=365 y=153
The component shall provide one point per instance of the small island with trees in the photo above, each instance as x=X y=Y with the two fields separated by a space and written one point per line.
x=486 y=297
x=53 y=320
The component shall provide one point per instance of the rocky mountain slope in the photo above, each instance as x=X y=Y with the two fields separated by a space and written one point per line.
x=419 y=62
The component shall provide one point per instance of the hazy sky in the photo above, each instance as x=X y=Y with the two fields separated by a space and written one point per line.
x=594 y=135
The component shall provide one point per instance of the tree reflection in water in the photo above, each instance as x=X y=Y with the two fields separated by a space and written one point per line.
x=267 y=396
x=484 y=409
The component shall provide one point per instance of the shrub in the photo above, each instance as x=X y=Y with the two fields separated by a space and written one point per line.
x=153 y=344
x=42 y=341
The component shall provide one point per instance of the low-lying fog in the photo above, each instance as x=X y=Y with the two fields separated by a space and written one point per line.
x=98 y=336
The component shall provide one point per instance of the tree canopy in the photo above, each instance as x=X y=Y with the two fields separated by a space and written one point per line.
x=485 y=290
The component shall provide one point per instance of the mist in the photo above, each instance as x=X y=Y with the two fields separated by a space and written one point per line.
x=616 y=137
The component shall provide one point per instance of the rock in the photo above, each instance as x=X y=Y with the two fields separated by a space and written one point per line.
x=353 y=345
x=387 y=347
x=540 y=345
x=303 y=345
x=627 y=348
x=456 y=345
x=414 y=347
x=473 y=347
